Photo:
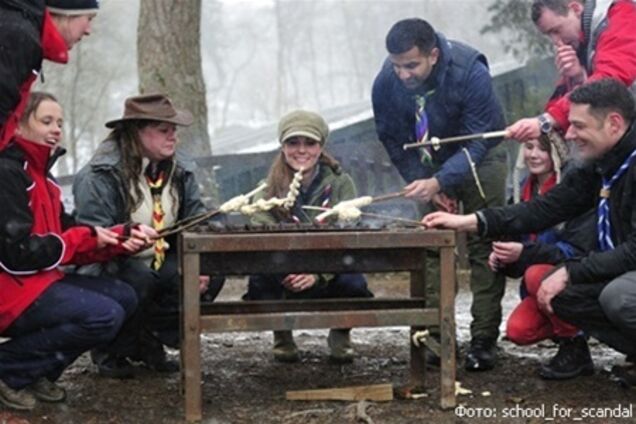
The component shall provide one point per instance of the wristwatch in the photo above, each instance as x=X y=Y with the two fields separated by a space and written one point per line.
x=545 y=125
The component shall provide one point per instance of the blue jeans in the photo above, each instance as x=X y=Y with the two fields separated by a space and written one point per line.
x=269 y=287
x=75 y=314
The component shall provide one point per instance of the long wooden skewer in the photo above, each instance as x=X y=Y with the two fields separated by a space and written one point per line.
x=394 y=218
x=373 y=215
x=434 y=143
x=177 y=227
x=389 y=196
x=190 y=221
x=193 y=220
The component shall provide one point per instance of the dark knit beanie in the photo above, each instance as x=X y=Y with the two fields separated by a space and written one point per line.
x=72 y=7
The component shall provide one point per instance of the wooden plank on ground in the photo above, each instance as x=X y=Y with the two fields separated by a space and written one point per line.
x=375 y=392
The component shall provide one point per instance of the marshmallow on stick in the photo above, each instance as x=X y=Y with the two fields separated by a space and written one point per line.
x=235 y=203
x=261 y=205
x=347 y=210
x=294 y=189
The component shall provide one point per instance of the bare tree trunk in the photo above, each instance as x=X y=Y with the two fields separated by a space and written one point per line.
x=313 y=61
x=280 y=60
x=232 y=85
x=74 y=120
x=169 y=61
x=353 y=52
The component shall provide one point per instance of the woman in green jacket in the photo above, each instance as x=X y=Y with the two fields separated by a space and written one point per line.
x=302 y=135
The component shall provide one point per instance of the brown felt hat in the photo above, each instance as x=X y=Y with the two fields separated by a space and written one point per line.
x=303 y=123
x=152 y=107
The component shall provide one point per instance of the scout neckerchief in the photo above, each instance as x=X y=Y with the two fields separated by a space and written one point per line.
x=157 y=177
x=421 y=125
x=604 y=226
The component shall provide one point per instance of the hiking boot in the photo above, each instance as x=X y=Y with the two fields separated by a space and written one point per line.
x=341 y=351
x=285 y=350
x=20 y=400
x=118 y=368
x=431 y=359
x=157 y=360
x=162 y=364
x=625 y=376
x=47 y=391
x=482 y=354
x=572 y=359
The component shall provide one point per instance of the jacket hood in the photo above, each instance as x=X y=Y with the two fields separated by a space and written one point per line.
x=31 y=9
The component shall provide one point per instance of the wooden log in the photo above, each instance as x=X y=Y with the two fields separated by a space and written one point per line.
x=375 y=392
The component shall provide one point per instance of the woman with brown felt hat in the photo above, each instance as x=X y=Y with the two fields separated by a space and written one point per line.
x=136 y=175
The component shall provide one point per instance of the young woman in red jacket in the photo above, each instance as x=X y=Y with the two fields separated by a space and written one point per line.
x=50 y=317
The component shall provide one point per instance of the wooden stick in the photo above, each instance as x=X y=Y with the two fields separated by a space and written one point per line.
x=480 y=136
x=389 y=196
x=258 y=189
x=373 y=215
x=394 y=218
x=376 y=392
x=187 y=223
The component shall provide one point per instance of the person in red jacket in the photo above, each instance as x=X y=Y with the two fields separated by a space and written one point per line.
x=50 y=317
x=29 y=33
x=594 y=39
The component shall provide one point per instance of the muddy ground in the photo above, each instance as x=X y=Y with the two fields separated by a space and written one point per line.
x=242 y=383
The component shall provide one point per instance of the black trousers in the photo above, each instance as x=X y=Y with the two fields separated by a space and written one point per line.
x=606 y=311
x=156 y=320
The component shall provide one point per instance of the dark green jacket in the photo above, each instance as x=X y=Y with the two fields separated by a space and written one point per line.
x=329 y=188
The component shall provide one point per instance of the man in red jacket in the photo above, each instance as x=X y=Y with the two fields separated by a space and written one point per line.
x=29 y=33
x=594 y=39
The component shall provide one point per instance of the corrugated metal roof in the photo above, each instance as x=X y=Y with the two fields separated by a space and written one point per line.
x=265 y=139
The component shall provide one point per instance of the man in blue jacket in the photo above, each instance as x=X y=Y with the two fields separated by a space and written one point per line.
x=433 y=87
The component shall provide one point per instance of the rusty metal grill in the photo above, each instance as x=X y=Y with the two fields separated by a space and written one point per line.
x=299 y=228
x=314 y=248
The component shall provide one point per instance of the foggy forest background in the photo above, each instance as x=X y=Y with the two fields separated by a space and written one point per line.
x=258 y=58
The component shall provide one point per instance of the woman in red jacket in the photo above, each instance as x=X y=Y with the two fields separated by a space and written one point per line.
x=50 y=317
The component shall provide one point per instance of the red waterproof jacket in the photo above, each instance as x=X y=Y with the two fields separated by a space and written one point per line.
x=36 y=236
x=614 y=56
x=21 y=64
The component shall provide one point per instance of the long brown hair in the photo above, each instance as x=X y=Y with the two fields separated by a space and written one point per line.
x=126 y=136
